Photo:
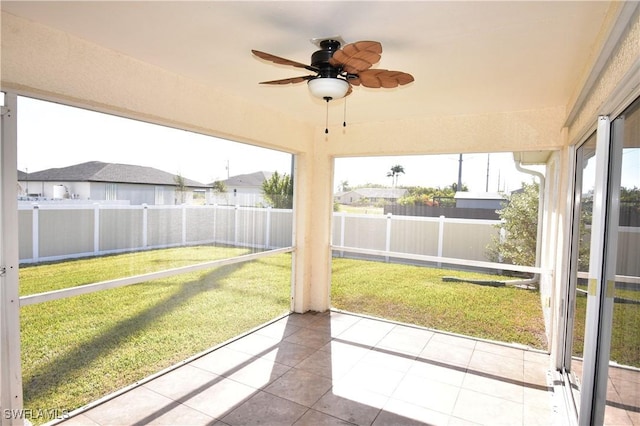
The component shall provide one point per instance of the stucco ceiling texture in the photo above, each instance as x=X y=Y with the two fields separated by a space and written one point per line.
x=466 y=57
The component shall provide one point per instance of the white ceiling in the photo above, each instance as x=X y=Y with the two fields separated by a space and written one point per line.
x=466 y=57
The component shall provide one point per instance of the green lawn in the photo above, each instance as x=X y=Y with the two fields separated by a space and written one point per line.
x=79 y=349
x=625 y=340
x=417 y=295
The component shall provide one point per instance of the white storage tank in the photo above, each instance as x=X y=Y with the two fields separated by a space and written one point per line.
x=59 y=192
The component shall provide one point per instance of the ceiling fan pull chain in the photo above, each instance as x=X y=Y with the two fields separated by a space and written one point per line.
x=326 y=119
x=344 y=122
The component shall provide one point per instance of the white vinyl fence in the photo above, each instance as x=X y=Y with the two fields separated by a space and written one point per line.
x=52 y=232
x=57 y=231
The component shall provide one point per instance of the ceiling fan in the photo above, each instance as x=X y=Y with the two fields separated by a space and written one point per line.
x=336 y=70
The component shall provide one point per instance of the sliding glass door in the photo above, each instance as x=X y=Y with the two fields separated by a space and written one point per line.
x=602 y=346
x=620 y=324
x=578 y=281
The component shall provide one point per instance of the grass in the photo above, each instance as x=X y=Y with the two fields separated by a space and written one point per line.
x=625 y=339
x=417 y=295
x=78 y=349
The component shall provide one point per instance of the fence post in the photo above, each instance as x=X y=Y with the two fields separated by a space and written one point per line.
x=145 y=225
x=184 y=224
x=440 y=237
x=215 y=217
x=343 y=220
x=387 y=245
x=35 y=230
x=267 y=238
x=96 y=228
x=235 y=225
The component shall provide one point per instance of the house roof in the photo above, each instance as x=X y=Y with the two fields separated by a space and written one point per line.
x=97 y=171
x=248 y=179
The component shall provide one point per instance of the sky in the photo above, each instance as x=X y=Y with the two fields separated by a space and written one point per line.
x=52 y=135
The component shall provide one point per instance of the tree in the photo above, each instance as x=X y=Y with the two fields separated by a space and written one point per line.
x=278 y=191
x=218 y=187
x=419 y=195
x=394 y=173
x=520 y=224
x=181 y=188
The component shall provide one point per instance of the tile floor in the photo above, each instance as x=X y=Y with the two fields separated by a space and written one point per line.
x=342 y=369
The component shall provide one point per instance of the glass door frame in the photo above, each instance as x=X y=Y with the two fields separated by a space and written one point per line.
x=583 y=410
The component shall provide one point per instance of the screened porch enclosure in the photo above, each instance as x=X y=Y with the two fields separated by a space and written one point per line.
x=577 y=118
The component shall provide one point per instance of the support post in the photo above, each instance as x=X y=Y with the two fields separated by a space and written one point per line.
x=10 y=369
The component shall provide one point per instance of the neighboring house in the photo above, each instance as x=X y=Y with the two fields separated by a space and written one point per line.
x=371 y=195
x=242 y=190
x=479 y=200
x=100 y=181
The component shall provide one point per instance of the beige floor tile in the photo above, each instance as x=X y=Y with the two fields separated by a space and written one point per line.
x=406 y=340
x=436 y=396
x=372 y=377
x=80 y=420
x=388 y=358
x=451 y=375
x=316 y=418
x=183 y=382
x=497 y=365
x=351 y=404
x=500 y=350
x=222 y=361
x=326 y=364
x=454 y=340
x=398 y=412
x=445 y=354
x=142 y=406
x=279 y=329
x=254 y=344
x=221 y=398
x=311 y=337
x=300 y=386
x=290 y=354
x=485 y=409
x=265 y=409
x=259 y=373
x=494 y=387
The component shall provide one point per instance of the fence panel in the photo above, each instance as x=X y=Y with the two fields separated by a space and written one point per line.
x=200 y=224
x=164 y=226
x=120 y=228
x=280 y=230
x=52 y=232
x=25 y=234
x=465 y=239
x=63 y=231
x=415 y=236
x=366 y=231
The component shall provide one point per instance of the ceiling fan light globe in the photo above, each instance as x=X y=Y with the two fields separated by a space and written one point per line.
x=328 y=87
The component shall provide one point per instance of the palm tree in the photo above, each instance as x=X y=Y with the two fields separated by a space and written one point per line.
x=394 y=173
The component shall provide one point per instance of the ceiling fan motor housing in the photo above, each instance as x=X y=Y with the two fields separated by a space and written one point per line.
x=320 y=59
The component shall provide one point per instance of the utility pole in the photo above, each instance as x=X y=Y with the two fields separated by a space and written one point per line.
x=459 y=187
x=486 y=188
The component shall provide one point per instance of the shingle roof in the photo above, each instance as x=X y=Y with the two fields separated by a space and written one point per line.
x=249 y=179
x=97 y=171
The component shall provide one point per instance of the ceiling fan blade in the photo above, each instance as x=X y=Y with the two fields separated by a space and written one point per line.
x=291 y=80
x=282 y=61
x=383 y=78
x=358 y=56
